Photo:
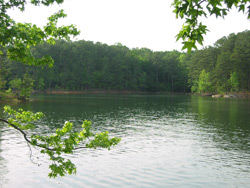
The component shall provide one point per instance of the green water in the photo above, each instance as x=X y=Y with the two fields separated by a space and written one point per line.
x=167 y=141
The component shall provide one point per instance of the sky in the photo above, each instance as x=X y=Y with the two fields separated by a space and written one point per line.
x=133 y=23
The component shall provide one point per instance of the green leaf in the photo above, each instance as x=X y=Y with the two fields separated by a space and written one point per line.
x=189 y=46
x=242 y=8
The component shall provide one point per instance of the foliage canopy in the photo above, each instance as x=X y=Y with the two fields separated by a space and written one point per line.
x=222 y=68
x=18 y=38
x=193 y=30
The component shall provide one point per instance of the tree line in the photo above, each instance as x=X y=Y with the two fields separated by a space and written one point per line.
x=225 y=67
x=85 y=65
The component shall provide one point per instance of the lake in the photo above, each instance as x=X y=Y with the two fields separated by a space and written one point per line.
x=167 y=141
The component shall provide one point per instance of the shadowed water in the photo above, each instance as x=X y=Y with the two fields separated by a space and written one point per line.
x=167 y=141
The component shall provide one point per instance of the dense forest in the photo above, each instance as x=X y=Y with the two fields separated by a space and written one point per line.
x=84 y=65
x=225 y=67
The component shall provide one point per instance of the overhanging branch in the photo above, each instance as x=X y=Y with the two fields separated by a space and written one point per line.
x=17 y=128
x=29 y=141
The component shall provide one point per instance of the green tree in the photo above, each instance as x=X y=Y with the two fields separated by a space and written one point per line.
x=16 y=86
x=2 y=80
x=224 y=64
x=2 y=83
x=22 y=87
x=240 y=58
x=197 y=61
x=3 y=77
x=204 y=83
x=171 y=68
x=193 y=30
x=41 y=84
x=27 y=86
x=234 y=81
x=230 y=54
x=17 y=39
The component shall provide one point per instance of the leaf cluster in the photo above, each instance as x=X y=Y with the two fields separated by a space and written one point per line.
x=18 y=38
x=22 y=119
x=192 y=10
x=64 y=141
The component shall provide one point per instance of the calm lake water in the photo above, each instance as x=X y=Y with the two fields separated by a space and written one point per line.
x=167 y=141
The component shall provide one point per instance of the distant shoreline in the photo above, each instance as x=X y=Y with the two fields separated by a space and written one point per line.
x=129 y=92
x=100 y=92
x=245 y=94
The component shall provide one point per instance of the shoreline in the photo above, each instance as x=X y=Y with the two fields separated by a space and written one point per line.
x=239 y=95
x=226 y=95
x=129 y=92
x=101 y=92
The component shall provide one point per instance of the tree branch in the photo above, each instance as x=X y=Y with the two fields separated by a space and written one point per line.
x=38 y=145
x=20 y=130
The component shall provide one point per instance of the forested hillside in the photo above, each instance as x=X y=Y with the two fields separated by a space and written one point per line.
x=84 y=65
x=225 y=67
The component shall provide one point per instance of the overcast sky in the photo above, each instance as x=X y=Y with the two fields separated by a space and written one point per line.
x=134 y=23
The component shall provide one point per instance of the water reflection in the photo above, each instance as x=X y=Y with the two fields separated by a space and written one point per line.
x=3 y=167
x=227 y=123
x=167 y=141
x=229 y=118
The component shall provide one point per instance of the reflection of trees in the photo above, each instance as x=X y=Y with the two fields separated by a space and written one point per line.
x=228 y=119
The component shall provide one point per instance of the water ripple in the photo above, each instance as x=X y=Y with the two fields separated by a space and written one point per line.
x=159 y=148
